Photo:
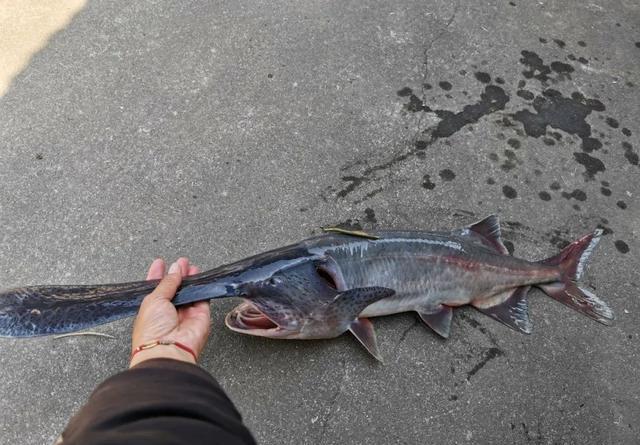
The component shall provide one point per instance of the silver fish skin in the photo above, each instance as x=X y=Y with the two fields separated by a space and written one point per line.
x=329 y=284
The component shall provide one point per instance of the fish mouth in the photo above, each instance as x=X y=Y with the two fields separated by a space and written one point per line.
x=246 y=318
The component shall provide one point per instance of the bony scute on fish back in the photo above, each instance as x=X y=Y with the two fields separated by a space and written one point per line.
x=332 y=283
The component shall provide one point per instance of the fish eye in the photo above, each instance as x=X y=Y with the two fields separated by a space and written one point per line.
x=273 y=281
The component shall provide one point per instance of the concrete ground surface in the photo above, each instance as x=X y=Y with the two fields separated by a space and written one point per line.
x=221 y=129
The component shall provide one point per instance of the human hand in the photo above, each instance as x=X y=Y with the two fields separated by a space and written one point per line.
x=159 y=319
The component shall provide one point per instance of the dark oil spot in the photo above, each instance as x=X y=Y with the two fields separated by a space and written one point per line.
x=453 y=397
x=512 y=3
x=548 y=141
x=571 y=57
x=491 y=181
x=194 y=196
x=427 y=86
x=506 y=122
x=626 y=131
x=537 y=172
x=500 y=80
x=592 y=165
x=493 y=157
x=545 y=196
x=426 y=183
x=637 y=44
x=447 y=175
x=560 y=43
x=405 y=92
x=270 y=76
x=483 y=77
x=583 y=61
x=525 y=94
x=621 y=246
x=622 y=205
x=508 y=165
x=555 y=185
x=462 y=72
x=561 y=67
x=522 y=84
x=509 y=246
x=303 y=209
x=370 y=215
x=590 y=144
x=576 y=194
x=581 y=43
x=39 y=156
x=421 y=145
x=605 y=191
x=576 y=207
x=513 y=143
x=509 y=191
x=612 y=122
x=445 y=85
x=349 y=224
x=557 y=136
x=605 y=183
x=509 y=154
x=415 y=104
x=501 y=136
x=629 y=154
x=542 y=40
x=492 y=99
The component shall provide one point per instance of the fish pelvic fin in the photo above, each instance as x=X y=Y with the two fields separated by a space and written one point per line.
x=572 y=261
x=489 y=231
x=438 y=320
x=362 y=329
x=510 y=308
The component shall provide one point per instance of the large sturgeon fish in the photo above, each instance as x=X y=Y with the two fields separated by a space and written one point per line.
x=332 y=283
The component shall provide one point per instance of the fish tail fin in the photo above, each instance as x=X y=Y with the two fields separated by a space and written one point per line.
x=572 y=261
x=45 y=310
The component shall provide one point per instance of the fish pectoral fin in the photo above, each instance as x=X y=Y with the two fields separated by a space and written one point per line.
x=353 y=301
x=439 y=321
x=510 y=308
x=358 y=233
x=363 y=330
x=489 y=230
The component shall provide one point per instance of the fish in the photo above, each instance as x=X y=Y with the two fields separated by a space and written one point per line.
x=335 y=282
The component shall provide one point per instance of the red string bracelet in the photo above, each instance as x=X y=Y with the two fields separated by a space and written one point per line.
x=153 y=344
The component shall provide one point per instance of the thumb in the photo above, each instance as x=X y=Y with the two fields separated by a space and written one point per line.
x=167 y=288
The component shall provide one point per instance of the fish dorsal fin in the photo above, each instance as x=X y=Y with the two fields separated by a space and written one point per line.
x=439 y=321
x=489 y=229
x=363 y=330
x=510 y=308
x=358 y=233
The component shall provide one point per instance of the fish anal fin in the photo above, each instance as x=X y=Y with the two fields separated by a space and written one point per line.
x=439 y=321
x=363 y=330
x=510 y=308
x=489 y=230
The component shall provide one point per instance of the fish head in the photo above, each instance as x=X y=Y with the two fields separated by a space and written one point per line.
x=283 y=305
x=301 y=301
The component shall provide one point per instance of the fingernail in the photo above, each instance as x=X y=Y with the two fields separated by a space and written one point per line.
x=175 y=268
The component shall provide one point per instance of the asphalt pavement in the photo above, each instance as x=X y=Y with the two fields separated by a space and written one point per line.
x=218 y=130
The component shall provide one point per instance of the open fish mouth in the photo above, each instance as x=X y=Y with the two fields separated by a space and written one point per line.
x=246 y=318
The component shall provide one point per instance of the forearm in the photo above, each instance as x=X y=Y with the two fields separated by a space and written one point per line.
x=158 y=401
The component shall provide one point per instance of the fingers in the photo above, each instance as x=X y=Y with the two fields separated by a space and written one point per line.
x=193 y=270
x=156 y=270
x=167 y=288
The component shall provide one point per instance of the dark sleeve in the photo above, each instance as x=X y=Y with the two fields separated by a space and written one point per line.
x=159 y=401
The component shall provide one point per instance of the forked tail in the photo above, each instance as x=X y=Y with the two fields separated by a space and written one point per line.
x=572 y=262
